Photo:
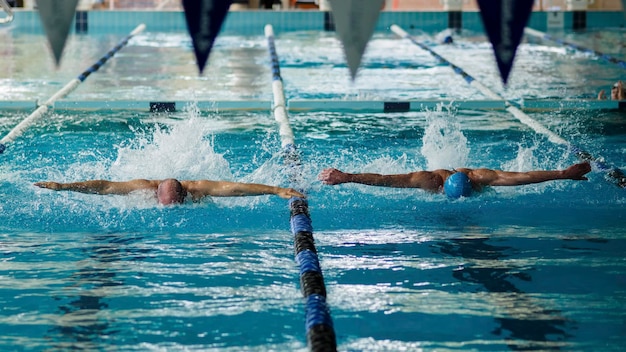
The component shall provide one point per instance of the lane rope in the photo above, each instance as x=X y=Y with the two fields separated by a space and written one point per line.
x=542 y=35
x=8 y=11
x=612 y=174
x=318 y=323
x=63 y=92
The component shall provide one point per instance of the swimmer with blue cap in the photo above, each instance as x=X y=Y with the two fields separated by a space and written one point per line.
x=458 y=185
x=462 y=182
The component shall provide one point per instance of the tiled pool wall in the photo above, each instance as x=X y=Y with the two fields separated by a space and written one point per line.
x=253 y=22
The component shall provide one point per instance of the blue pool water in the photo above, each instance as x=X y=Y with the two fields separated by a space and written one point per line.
x=537 y=267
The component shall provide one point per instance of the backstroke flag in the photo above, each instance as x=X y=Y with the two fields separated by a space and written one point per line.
x=504 y=23
x=204 y=21
x=56 y=17
x=355 y=21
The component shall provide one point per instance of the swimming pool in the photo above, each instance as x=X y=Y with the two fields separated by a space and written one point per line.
x=537 y=267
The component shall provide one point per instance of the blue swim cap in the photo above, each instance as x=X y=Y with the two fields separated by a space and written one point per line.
x=458 y=185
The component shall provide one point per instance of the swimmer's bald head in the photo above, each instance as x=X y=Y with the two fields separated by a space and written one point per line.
x=171 y=191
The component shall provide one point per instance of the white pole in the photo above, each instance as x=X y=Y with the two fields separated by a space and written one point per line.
x=279 y=108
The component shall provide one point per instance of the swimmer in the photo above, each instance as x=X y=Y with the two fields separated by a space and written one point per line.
x=447 y=40
x=618 y=92
x=172 y=191
x=456 y=183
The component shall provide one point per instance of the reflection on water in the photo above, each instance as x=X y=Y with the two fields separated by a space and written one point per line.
x=81 y=324
x=522 y=320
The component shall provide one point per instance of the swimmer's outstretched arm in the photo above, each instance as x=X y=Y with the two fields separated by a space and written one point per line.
x=203 y=188
x=101 y=186
x=487 y=177
x=428 y=180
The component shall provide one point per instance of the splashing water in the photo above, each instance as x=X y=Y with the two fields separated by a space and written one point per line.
x=444 y=145
x=524 y=161
x=181 y=150
x=390 y=165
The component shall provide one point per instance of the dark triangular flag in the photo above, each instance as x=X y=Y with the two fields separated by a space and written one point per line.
x=56 y=17
x=504 y=23
x=355 y=21
x=204 y=21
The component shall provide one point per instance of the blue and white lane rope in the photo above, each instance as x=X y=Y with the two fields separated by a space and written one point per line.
x=318 y=323
x=612 y=174
x=611 y=59
x=9 y=12
x=63 y=92
x=279 y=107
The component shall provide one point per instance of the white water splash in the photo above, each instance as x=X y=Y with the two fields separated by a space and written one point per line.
x=388 y=165
x=444 y=145
x=524 y=161
x=180 y=150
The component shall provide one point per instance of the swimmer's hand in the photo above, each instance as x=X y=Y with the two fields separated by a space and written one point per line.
x=577 y=171
x=288 y=193
x=332 y=176
x=49 y=185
